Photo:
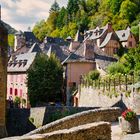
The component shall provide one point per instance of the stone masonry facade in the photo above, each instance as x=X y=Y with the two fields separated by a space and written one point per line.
x=89 y=97
x=3 y=75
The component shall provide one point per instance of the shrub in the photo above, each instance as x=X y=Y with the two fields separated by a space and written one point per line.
x=115 y=68
x=17 y=101
x=93 y=75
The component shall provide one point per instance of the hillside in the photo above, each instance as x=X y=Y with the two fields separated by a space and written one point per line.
x=87 y=14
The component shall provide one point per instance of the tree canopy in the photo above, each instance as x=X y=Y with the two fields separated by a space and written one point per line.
x=87 y=14
x=45 y=79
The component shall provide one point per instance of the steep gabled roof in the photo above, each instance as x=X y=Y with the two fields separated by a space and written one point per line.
x=96 y=33
x=79 y=37
x=21 y=63
x=30 y=38
x=60 y=52
x=35 y=48
x=106 y=40
x=123 y=34
x=79 y=55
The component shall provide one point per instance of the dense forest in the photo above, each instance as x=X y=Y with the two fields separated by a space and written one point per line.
x=87 y=14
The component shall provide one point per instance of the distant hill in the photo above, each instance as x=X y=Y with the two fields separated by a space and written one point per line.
x=10 y=29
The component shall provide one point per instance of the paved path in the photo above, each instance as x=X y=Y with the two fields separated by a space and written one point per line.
x=117 y=133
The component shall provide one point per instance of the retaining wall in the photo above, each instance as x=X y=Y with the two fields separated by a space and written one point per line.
x=90 y=97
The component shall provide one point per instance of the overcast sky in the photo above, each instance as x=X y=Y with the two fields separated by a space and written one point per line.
x=22 y=14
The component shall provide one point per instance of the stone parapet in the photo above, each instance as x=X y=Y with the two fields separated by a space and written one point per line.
x=85 y=117
x=95 y=131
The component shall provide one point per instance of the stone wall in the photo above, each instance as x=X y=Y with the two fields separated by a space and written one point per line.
x=85 y=117
x=3 y=75
x=92 y=131
x=22 y=121
x=89 y=97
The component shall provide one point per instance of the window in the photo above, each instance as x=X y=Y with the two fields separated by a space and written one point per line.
x=130 y=43
x=115 y=50
x=11 y=91
x=16 y=92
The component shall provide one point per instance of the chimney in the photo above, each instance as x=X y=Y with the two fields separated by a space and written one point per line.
x=109 y=25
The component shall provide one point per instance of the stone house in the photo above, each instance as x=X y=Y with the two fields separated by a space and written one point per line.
x=126 y=38
x=109 y=40
x=16 y=77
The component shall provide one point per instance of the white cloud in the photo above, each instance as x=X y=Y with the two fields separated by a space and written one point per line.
x=21 y=14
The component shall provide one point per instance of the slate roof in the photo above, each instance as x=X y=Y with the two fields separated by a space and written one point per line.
x=60 y=52
x=106 y=40
x=101 y=58
x=19 y=32
x=30 y=38
x=3 y=27
x=79 y=37
x=123 y=34
x=35 y=48
x=96 y=33
x=21 y=63
x=78 y=56
x=21 y=50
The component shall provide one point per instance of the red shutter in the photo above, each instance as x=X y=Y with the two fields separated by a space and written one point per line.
x=16 y=92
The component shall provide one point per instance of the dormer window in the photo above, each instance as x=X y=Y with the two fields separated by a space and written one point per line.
x=96 y=32
x=10 y=64
x=24 y=62
x=20 y=63
x=123 y=35
x=15 y=62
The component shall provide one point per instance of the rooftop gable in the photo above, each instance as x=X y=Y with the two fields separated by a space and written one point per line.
x=21 y=62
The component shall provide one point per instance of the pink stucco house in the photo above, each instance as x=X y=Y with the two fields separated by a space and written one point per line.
x=86 y=58
x=16 y=77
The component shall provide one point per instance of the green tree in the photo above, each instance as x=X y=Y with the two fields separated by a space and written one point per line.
x=45 y=79
x=115 y=5
x=55 y=7
x=11 y=40
x=62 y=18
x=135 y=30
x=92 y=6
x=40 y=30
x=72 y=8
x=128 y=10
